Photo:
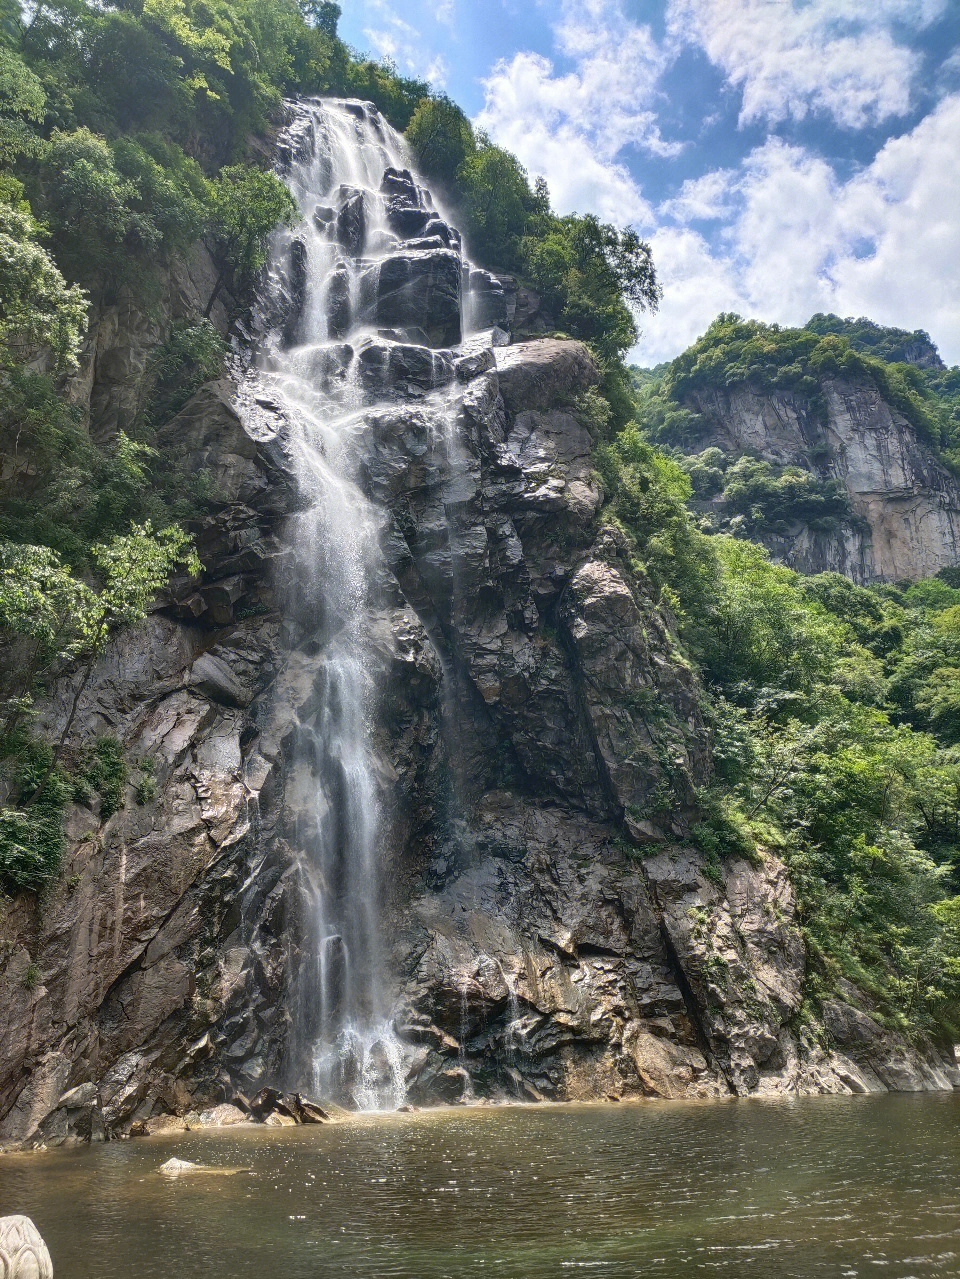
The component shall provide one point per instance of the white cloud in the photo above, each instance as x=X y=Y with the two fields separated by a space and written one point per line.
x=793 y=57
x=782 y=234
x=884 y=243
x=573 y=128
x=437 y=71
x=703 y=199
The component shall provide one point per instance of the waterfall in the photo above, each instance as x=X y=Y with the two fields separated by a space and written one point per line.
x=366 y=289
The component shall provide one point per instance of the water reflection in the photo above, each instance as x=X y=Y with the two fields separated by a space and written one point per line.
x=839 y=1187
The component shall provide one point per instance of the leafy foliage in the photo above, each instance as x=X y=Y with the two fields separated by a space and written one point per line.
x=835 y=708
x=37 y=306
x=734 y=352
x=589 y=274
x=50 y=622
x=893 y=346
x=245 y=205
x=758 y=499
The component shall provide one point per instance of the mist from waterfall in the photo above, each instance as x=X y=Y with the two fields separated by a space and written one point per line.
x=334 y=323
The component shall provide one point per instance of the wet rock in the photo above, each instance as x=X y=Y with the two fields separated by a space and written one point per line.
x=339 y=303
x=402 y=369
x=485 y=300
x=185 y=1168
x=296 y=292
x=23 y=1254
x=351 y=223
x=408 y=222
x=419 y=292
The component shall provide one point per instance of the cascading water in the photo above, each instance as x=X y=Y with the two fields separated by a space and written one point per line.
x=369 y=281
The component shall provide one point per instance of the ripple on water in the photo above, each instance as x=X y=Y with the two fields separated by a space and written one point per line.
x=833 y=1187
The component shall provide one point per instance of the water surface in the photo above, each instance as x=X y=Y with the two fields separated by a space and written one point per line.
x=839 y=1187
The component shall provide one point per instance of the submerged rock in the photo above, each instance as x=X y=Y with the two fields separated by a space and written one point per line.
x=185 y=1168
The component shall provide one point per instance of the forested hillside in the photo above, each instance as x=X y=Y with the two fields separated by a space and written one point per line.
x=833 y=703
x=134 y=136
x=130 y=135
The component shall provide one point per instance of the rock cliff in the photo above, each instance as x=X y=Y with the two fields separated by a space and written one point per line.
x=904 y=502
x=553 y=930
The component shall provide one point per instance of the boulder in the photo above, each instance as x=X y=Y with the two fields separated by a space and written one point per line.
x=544 y=374
x=416 y=291
x=485 y=300
x=295 y=292
x=222 y=1116
x=339 y=303
x=399 y=185
x=408 y=222
x=23 y=1254
x=403 y=369
x=351 y=225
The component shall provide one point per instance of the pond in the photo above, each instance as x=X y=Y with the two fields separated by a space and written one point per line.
x=839 y=1187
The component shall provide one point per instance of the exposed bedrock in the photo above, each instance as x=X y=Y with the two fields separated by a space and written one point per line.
x=905 y=502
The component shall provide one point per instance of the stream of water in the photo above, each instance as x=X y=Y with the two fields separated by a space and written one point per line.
x=839 y=1188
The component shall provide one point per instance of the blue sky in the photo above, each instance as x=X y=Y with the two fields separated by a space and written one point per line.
x=783 y=156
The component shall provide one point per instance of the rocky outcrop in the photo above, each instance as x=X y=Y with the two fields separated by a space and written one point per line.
x=555 y=933
x=905 y=503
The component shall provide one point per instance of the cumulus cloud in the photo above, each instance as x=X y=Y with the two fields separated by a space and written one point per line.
x=793 y=57
x=797 y=239
x=574 y=127
x=702 y=199
x=781 y=234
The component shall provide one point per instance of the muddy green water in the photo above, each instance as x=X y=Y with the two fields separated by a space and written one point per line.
x=839 y=1187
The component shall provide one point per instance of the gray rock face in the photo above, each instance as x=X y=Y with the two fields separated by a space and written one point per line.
x=417 y=290
x=906 y=502
x=554 y=933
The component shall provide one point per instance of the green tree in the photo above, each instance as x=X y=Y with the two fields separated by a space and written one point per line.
x=22 y=103
x=95 y=212
x=52 y=621
x=497 y=203
x=246 y=205
x=442 y=139
x=37 y=306
x=324 y=14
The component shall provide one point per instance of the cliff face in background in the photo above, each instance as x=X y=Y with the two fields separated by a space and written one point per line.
x=554 y=930
x=905 y=503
